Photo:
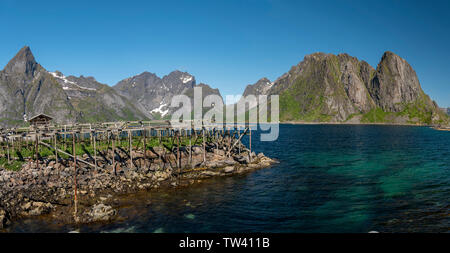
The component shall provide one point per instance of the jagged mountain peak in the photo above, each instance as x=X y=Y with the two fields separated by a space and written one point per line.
x=22 y=63
x=261 y=87
x=388 y=54
x=184 y=77
x=328 y=87
x=263 y=80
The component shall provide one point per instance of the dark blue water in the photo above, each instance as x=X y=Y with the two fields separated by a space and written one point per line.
x=331 y=178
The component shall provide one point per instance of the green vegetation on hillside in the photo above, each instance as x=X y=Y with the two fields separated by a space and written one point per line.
x=376 y=115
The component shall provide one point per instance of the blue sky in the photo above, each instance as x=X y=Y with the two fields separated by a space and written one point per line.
x=226 y=44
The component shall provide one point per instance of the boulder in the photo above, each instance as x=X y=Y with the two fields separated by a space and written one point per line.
x=36 y=208
x=242 y=159
x=102 y=212
x=230 y=162
x=228 y=169
x=5 y=219
x=209 y=173
x=197 y=150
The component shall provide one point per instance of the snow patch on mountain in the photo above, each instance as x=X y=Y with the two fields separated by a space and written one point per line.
x=186 y=79
x=66 y=81
x=160 y=109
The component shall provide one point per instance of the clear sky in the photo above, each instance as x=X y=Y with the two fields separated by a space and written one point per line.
x=226 y=44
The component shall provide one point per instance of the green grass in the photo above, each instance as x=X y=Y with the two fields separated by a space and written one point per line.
x=376 y=115
x=13 y=165
x=18 y=156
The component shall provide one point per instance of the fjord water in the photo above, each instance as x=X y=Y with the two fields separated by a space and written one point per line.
x=331 y=178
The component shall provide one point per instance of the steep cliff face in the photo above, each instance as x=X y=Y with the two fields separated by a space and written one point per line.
x=324 y=87
x=394 y=84
x=355 y=76
x=27 y=89
x=340 y=88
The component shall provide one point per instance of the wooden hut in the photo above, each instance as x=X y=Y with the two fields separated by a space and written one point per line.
x=40 y=120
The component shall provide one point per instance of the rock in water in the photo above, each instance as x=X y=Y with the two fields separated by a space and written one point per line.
x=102 y=212
x=228 y=169
x=4 y=219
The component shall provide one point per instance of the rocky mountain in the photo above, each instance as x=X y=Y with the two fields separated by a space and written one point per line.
x=155 y=94
x=341 y=88
x=262 y=86
x=322 y=87
x=27 y=89
x=95 y=101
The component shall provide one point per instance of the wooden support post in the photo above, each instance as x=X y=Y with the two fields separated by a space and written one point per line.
x=216 y=140
x=250 y=143
x=159 y=133
x=204 y=146
x=75 y=177
x=7 y=144
x=94 y=136
x=238 y=140
x=145 y=148
x=190 y=148
x=229 y=141
x=130 y=147
x=56 y=151
x=37 y=149
x=65 y=136
x=90 y=134
x=239 y=133
x=178 y=151
x=12 y=148
x=113 y=155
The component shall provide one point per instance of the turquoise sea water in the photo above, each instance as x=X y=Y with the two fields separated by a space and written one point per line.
x=331 y=178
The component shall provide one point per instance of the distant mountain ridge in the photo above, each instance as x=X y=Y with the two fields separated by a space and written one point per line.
x=27 y=89
x=341 y=88
x=155 y=94
x=321 y=88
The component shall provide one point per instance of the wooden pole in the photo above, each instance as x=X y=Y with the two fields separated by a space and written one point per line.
x=237 y=141
x=113 y=154
x=37 y=149
x=7 y=144
x=239 y=133
x=190 y=148
x=65 y=134
x=145 y=148
x=178 y=151
x=12 y=147
x=94 y=136
x=63 y=152
x=130 y=147
x=250 y=143
x=56 y=151
x=75 y=176
x=204 y=146
x=216 y=140
x=229 y=141
x=90 y=134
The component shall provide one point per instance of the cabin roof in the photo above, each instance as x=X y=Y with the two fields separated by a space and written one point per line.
x=40 y=116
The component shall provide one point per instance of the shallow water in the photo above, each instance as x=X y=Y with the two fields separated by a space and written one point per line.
x=331 y=178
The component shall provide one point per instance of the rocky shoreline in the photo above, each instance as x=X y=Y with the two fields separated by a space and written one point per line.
x=48 y=189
